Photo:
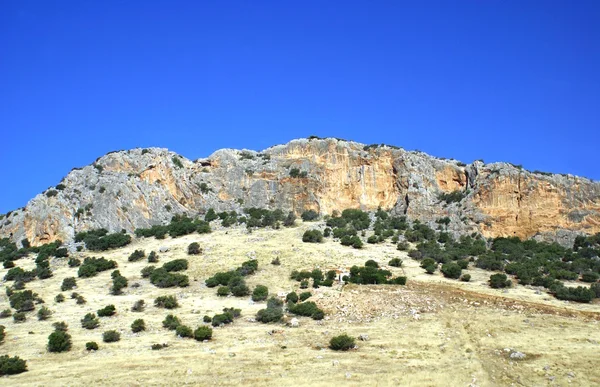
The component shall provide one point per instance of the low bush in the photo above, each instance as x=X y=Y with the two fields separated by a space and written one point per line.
x=163 y=279
x=119 y=282
x=12 y=365
x=137 y=255
x=167 y=302
x=74 y=262
x=499 y=281
x=312 y=236
x=307 y=308
x=184 y=331
x=203 y=333
x=111 y=336
x=342 y=343
x=310 y=215
x=451 y=270
x=2 y=333
x=59 y=341
x=590 y=276
x=194 y=248
x=158 y=347
x=138 y=326
x=152 y=257
x=305 y=296
x=176 y=265
x=395 y=262
x=260 y=293
x=465 y=278
x=44 y=313
x=291 y=297
x=6 y=313
x=107 y=311
x=91 y=346
x=223 y=291
x=171 y=322
x=90 y=321
x=92 y=266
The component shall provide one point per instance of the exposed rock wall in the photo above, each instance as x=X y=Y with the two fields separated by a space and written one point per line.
x=138 y=188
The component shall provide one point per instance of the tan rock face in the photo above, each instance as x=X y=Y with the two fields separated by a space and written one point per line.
x=139 y=188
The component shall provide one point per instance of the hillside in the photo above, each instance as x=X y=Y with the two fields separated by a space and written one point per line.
x=433 y=331
x=143 y=187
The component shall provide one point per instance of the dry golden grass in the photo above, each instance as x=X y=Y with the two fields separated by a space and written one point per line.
x=458 y=338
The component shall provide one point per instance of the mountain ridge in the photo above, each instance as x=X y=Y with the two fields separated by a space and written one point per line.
x=144 y=186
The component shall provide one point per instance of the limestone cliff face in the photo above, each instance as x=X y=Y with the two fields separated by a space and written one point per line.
x=142 y=187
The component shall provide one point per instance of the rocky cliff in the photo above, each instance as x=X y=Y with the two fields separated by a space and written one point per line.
x=142 y=187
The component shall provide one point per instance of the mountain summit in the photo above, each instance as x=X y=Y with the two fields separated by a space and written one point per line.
x=142 y=187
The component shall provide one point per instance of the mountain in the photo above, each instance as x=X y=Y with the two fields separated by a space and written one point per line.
x=142 y=187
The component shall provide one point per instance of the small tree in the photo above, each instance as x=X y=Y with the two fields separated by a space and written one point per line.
x=107 y=311
x=312 y=236
x=167 y=302
x=395 y=262
x=499 y=281
x=171 y=322
x=260 y=293
x=68 y=284
x=91 y=346
x=44 y=313
x=223 y=291
x=184 y=331
x=342 y=343
x=90 y=321
x=12 y=365
x=59 y=341
x=465 y=278
x=137 y=255
x=203 y=333
x=310 y=215
x=451 y=270
x=138 y=326
x=153 y=257
x=111 y=336
x=194 y=248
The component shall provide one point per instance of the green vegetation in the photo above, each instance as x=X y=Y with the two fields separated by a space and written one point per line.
x=227 y=317
x=59 y=341
x=91 y=346
x=92 y=266
x=203 y=333
x=107 y=311
x=451 y=270
x=312 y=236
x=119 y=282
x=101 y=240
x=12 y=365
x=308 y=308
x=260 y=293
x=309 y=215
x=138 y=326
x=372 y=274
x=167 y=302
x=180 y=225
x=395 y=262
x=137 y=255
x=138 y=306
x=297 y=174
x=176 y=265
x=90 y=321
x=499 y=281
x=194 y=248
x=452 y=197
x=342 y=343
x=171 y=322
x=184 y=331
x=273 y=312
x=44 y=313
x=111 y=336
x=234 y=279
x=177 y=161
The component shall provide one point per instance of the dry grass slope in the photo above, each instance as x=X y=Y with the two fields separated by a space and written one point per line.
x=433 y=331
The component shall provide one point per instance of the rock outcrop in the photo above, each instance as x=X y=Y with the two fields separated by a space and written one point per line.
x=142 y=187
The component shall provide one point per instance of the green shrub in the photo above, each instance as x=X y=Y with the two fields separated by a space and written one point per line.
x=5 y=313
x=22 y=301
x=19 y=317
x=395 y=262
x=59 y=341
x=260 y=293
x=152 y=257
x=177 y=162
x=309 y=215
x=60 y=326
x=269 y=315
x=171 y=322
x=312 y=236
x=465 y=278
x=12 y=365
x=203 y=333
x=176 y=265
x=111 y=336
x=100 y=240
x=238 y=287
x=2 y=333
x=194 y=248
x=452 y=197
x=223 y=291
x=167 y=302
x=80 y=300
x=342 y=343
x=589 y=276
x=499 y=281
x=147 y=271
x=307 y=308
x=291 y=297
x=91 y=346
x=92 y=266
x=74 y=262
x=163 y=279
x=44 y=313
x=184 y=331
x=136 y=256
x=371 y=263
x=157 y=347
x=107 y=311
x=138 y=326
x=276 y=262
x=305 y=295
x=451 y=270
x=90 y=321
x=119 y=282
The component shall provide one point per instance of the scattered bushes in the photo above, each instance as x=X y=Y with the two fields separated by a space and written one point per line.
x=92 y=266
x=180 y=225
x=101 y=240
x=308 y=308
x=23 y=301
x=111 y=336
x=371 y=274
x=342 y=343
x=167 y=302
x=176 y=265
x=227 y=317
x=163 y=279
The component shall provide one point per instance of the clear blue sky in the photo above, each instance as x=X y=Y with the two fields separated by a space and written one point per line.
x=501 y=80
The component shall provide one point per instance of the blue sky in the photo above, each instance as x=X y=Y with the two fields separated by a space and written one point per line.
x=501 y=80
